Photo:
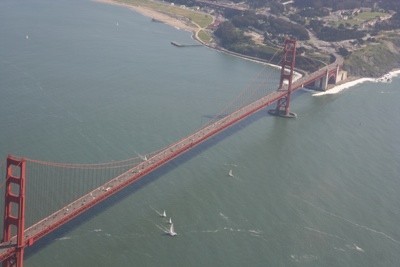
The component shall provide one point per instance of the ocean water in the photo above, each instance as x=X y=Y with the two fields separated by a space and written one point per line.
x=87 y=82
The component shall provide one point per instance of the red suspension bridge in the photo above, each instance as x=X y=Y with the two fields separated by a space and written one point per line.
x=22 y=227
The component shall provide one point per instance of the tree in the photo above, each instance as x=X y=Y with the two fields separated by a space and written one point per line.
x=230 y=36
x=344 y=52
x=257 y=3
x=316 y=25
x=276 y=8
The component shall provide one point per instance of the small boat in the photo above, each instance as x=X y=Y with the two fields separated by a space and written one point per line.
x=171 y=231
x=164 y=214
x=170 y=221
x=230 y=173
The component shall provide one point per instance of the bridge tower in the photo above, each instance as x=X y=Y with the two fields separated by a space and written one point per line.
x=287 y=69
x=14 y=210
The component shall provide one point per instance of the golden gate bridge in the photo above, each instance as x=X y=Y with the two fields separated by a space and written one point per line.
x=90 y=184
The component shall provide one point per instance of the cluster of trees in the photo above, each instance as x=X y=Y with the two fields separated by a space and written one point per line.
x=281 y=26
x=334 y=34
x=348 y=4
x=313 y=12
x=390 y=5
x=316 y=5
x=230 y=36
x=334 y=4
x=233 y=39
x=274 y=26
x=391 y=24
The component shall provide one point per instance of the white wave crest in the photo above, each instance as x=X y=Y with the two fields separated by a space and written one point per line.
x=344 y=86
x=384 y=79
x=64 y=238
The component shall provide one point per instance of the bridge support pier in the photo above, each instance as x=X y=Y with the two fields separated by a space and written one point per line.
x=14 y=210
x=289 y=57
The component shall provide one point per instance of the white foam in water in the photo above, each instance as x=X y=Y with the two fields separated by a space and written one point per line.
x=303 y=258
x=257 y=232
x=358 y=248
x=385 y=79
x=344 y=86
x=395 y=73
x=64 y=238
x=353 y=223
x=210 y=231
x=224 y=216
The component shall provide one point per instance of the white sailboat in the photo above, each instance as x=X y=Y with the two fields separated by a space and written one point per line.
x=171 y=231
x=230 y=173
x=164 y=214
x=144 y=158
x=170 y=221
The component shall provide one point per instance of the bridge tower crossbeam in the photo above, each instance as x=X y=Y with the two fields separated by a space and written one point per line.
x=287 y=69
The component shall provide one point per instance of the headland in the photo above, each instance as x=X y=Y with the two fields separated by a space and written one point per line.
x=371 y=60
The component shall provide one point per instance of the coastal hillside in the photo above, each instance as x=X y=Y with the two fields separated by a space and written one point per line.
x=375 y=59
x=365 y=33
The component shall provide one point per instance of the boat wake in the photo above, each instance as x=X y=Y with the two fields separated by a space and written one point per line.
x=231 y=164
x=144 y=158
x=162 y=228
x=303 y=258
x=355 y=247
x=324 y=233
x=64 y=238
x=224 y=216
x=161 y=214
x=252 y=232
x=168 y=231
x=352 y=223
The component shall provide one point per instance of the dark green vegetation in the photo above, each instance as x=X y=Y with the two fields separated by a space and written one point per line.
x=359 y=22
x=233 y=39
x=356 y=29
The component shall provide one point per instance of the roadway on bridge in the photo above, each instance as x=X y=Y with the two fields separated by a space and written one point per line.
x=79 y=206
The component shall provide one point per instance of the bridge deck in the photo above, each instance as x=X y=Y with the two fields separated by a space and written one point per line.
x=79 y=206
x=43 y=227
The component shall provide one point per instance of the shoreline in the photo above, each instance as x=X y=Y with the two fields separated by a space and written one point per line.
x=180 y=25
x=194 y=29
x=353 y=81
x=154 y=14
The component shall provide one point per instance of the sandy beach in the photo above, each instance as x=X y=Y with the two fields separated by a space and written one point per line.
x=182 y=25
x=156 y=15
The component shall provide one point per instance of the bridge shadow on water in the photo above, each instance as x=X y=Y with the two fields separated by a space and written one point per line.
x=153 y=176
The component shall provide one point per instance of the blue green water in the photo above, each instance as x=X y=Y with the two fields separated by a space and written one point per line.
x=87 y=82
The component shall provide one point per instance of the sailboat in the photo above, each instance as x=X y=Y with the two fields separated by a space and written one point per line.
x=171 y=231
x=230 y=173
x=164 y=214
x=170 y=221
